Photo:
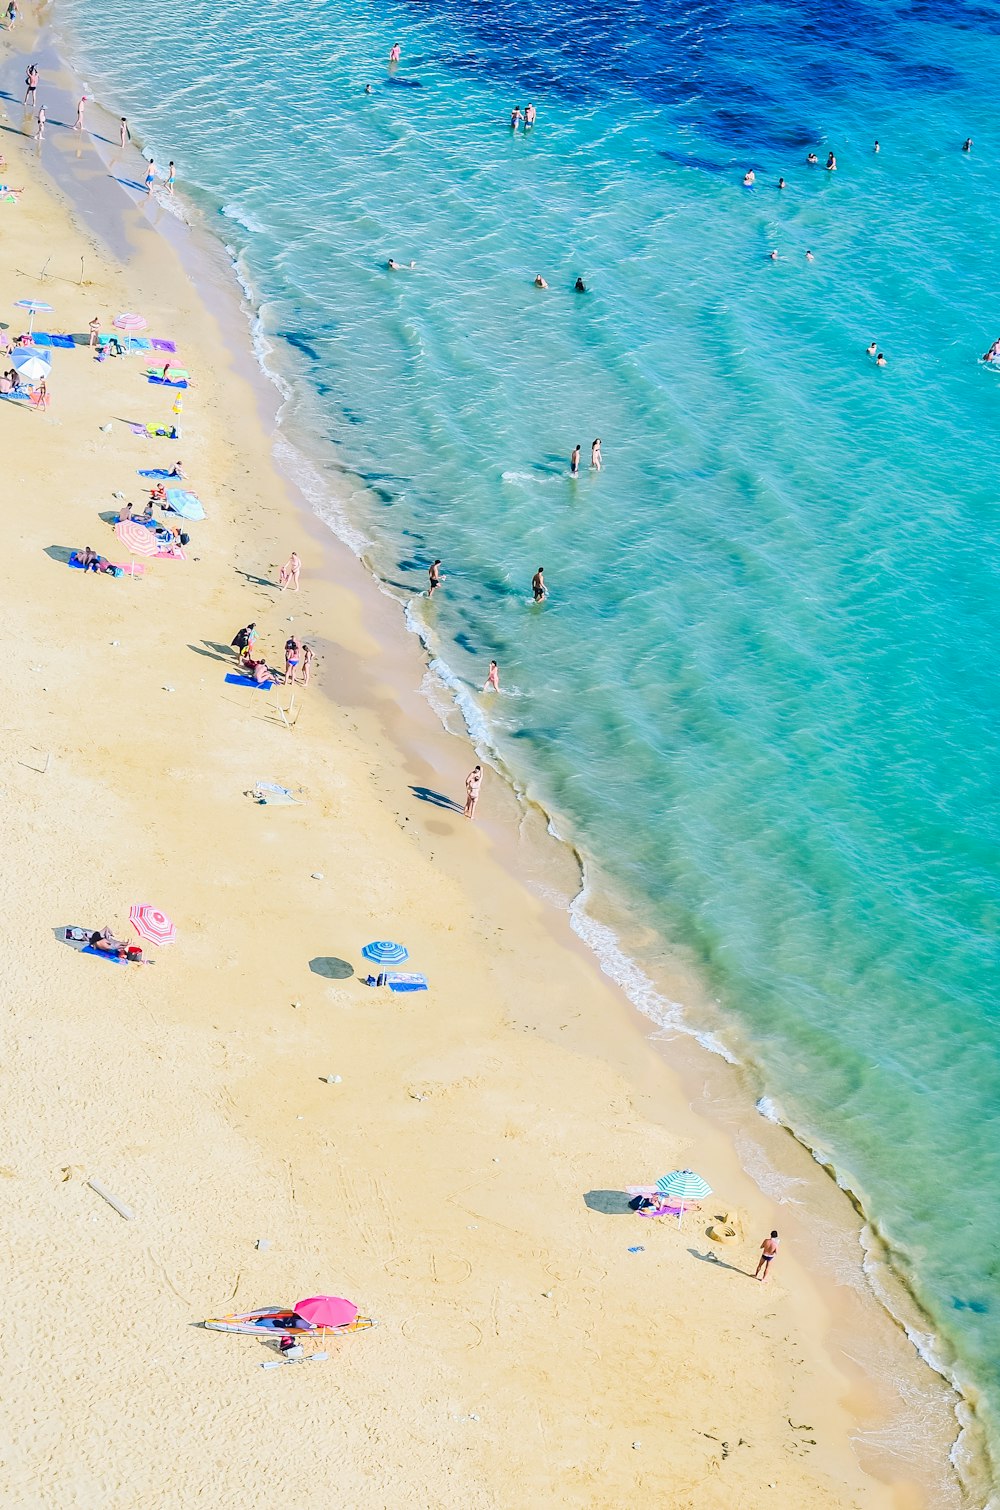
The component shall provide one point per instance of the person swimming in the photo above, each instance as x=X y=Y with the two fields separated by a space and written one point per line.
x=781 y=183
x=812 y=158
x=579 y=287
x=749 y=178
x=831 y=163
x=880 y=360
x=872 y=349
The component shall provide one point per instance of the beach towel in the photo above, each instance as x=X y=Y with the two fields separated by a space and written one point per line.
x=400 y=980
x=236 y=680
x=103 y=954
x=122 y=570
x=161 y=345
x=43 y=338
x=171 y=553
x=16 y=398
x=158 y=474
x=270 y=792
x=167 y=382
x=139 y=343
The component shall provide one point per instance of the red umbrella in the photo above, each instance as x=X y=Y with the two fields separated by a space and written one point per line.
x=326 y=1310
x=152 y=924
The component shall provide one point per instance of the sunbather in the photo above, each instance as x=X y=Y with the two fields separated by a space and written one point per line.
x=259 y=670
x=89 y=559
x=108 y=944
x=124 y=513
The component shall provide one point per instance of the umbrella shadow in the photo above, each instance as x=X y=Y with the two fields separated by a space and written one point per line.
x=60 y=553
x=437 y=799
x=720 y=1263
x=331 y=968
x=610 y=1202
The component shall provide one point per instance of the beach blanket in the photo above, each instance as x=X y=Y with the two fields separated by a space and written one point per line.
x=167 y=382
x=158 y=474
x=126 y=570
x=401 y=980
x=161 y=345
x=168 y=432
x=16 y=398
x=270 y=792
x=43 y=338
x=103 y=954
x=171 y=553
x=236 y=680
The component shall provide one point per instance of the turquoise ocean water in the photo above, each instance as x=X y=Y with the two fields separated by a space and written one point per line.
x=762 y=695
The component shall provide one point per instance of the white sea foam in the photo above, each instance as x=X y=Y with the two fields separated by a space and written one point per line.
x=245 y=218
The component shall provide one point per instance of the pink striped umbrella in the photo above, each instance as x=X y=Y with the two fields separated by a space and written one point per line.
x=130 y=324
x=137 y=540
x=152 y=924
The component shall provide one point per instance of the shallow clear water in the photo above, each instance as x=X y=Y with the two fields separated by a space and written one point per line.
x=763 y=691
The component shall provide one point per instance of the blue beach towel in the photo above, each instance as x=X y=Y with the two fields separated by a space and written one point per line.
x=159 y=474
x=16 y=398
x=399 y=980
x=103 y=954
x=167 y=382
x=236 y=680
x=42 y=338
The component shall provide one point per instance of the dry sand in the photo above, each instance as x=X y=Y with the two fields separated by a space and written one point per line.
x=523 y=1355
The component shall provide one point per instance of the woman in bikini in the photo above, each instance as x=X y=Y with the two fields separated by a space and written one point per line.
x=293 y=651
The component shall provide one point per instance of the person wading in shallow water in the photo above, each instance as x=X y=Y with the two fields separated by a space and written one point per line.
x=768 y=1253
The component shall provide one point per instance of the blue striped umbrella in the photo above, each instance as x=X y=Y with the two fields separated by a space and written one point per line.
x=33 y=306
x=682 y=1185
x=384 y=953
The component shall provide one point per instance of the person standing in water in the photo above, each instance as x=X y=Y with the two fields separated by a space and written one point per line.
x=395 y=53
x=434 y=578
x=171 y=176
x=595 y=455
x=515 y=117
x=473 y=782
x=831 y=163
x=30 y=85
x=574 y=461
x=538 y=588
x=124 y=134
x=530 y=116
x=150 y=177
x=40 y=124
x=493 y=678
x=967 y=144
x=768 y=1253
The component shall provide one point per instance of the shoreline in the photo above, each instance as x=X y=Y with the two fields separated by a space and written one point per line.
x=402 y=714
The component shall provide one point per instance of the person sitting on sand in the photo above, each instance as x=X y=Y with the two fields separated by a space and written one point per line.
x=6 y=386
x=124 y=514
x=158 y=494
x=259 y=670
x=146 y=517
x=89 y=559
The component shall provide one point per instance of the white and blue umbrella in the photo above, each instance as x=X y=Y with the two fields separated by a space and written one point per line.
x=31 y=365
x=185 y=504
x=683 y=1185
x=34 y=306
x=384 y=953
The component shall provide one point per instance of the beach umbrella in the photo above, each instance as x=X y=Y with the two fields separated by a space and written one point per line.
x=152 y=924
x=31 y=366
x=185 y=504
x=130 y=324
x=326 y=1310
x=384 y=953
x=682 y=1185
x=137 y=540
x=33 y=306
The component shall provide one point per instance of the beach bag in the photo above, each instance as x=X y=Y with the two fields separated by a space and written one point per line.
x=185 y=539
x=117 y=571
x=133 y=954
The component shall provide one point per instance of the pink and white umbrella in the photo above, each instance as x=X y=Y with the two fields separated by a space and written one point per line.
x=130 y=323
x=152 y=924
x=137 y=540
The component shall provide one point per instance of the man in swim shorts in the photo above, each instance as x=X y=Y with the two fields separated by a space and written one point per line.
x=768 y=1253
x=538 y=588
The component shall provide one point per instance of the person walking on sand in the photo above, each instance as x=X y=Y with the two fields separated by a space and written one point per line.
x=12 y=15
x=308 y=656
x=473 y=782
x=289 y=573
x=30 y=85
x=538 y=588
x=40 y=125
x=595 y=455
x=574 y=461
x=768 y=1253
x=434 y=578
x=493 y=678
x=150 y=177
x=293 y=654
x=81 y=106
x=124 y=134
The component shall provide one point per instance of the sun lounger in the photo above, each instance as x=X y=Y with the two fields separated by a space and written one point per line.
x=236 y=680
x=401 y=980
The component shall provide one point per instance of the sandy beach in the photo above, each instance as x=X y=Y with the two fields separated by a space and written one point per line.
x=462 y=1182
